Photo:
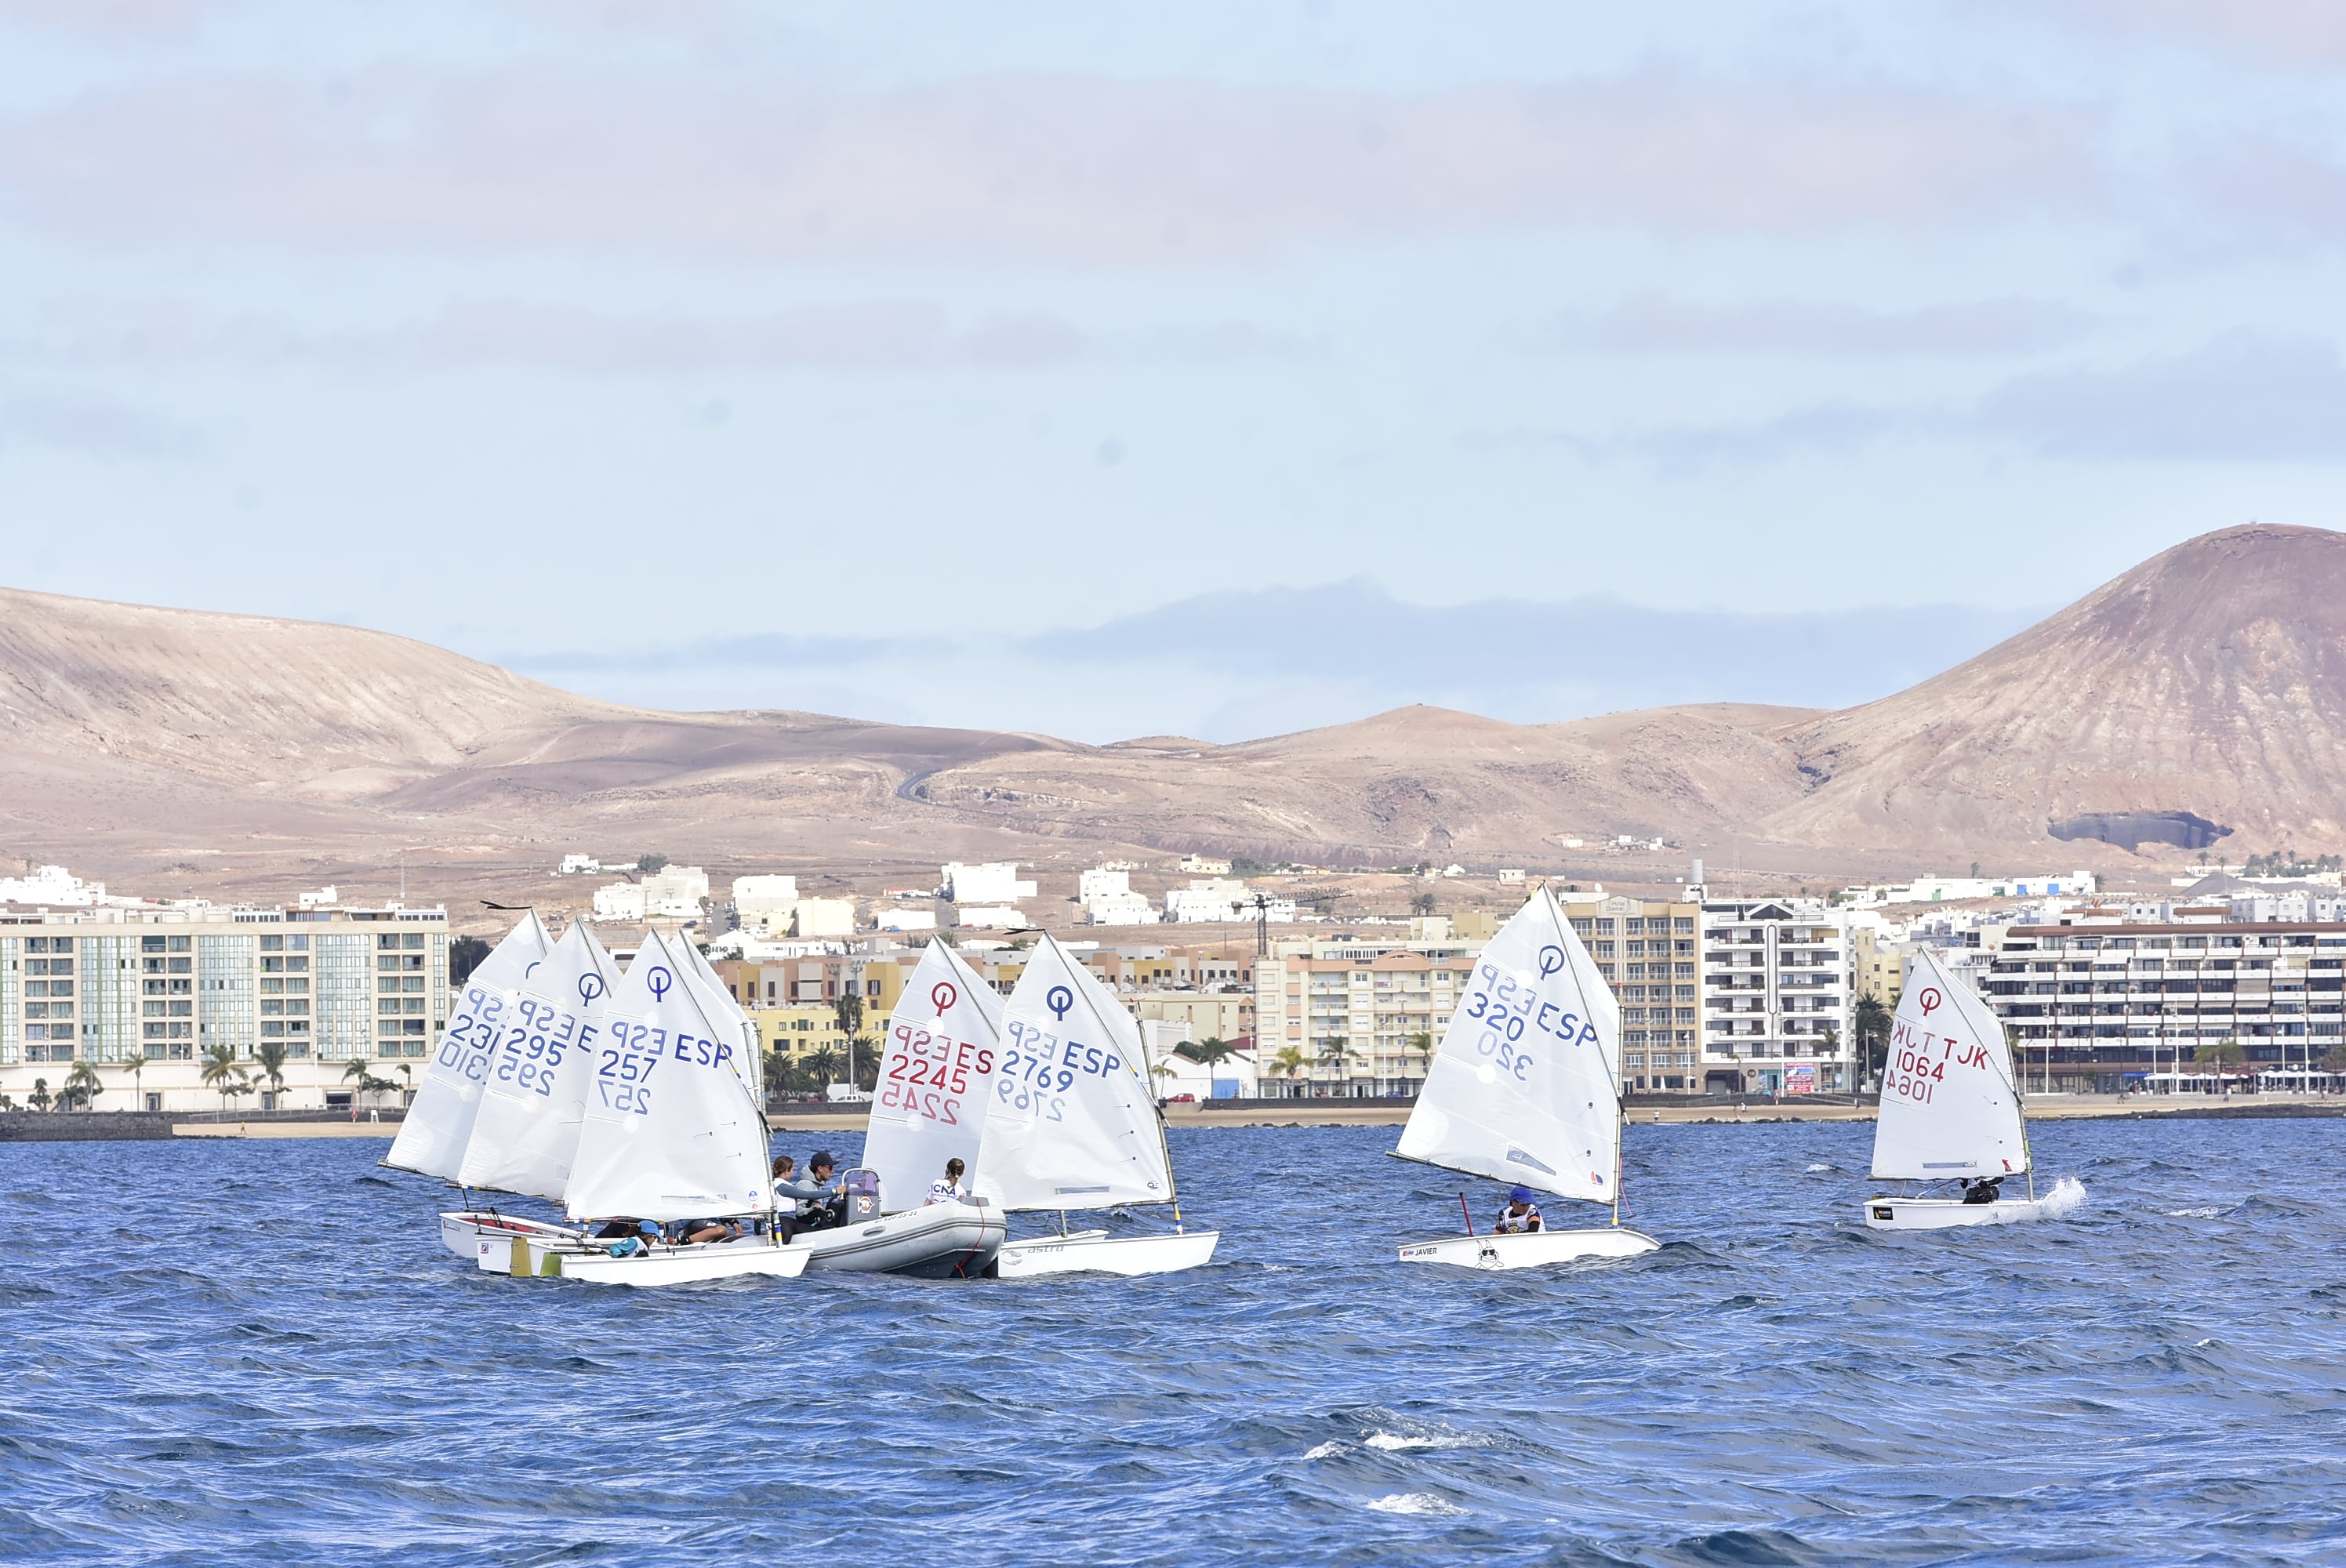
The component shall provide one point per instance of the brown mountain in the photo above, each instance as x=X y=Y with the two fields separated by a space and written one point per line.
x=2205 y=686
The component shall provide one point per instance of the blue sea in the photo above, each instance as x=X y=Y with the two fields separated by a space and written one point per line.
x=260 y=1353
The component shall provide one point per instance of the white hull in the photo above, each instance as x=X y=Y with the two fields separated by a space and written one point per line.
x=547 y=1257
x=1947 y=1213
x=1097 y=1252
x=939 y=1241
x=462 y=1233
x=1532 y=1249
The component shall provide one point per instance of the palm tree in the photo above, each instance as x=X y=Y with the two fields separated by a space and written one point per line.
x=138 y=1068
x=1337 y=1050
x=40 y=1094
x=1205 y=1052
x=1288 y=1062
x=407 y=1082
x=270 y=1055
x=220 y=1071
x=1871 y=1026
x=358 y=1074
x=82 y=1086
x=2220 y=1056
x=2334 y=1061
x=1422 y=1043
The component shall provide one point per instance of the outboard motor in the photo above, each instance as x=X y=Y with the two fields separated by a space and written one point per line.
x=862 y=1190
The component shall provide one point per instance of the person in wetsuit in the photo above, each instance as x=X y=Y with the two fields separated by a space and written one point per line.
x=1984 y=1189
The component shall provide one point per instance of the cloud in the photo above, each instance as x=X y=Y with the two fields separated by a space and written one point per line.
x=1067 y=166
x=1680 y=451
x=1233 y=665
x=2244 y=397
x=878 y=334
x=2293 y=30
x=1653 y=323
x=95 y=425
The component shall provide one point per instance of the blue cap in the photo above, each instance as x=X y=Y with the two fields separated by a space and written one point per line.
x=1520 y=1195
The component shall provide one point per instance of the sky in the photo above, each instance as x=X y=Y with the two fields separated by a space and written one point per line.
x=1220 y=370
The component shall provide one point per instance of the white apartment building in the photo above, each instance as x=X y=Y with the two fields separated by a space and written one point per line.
x=169 y=986
x=1649 y=954
x=993 y=882
x=1360 y=1016
x=1214 y=898
x=1777 y=997
x=822 y=917
x=1106 y=892
x=675 y=892
x=620 y=903
x=763 y=904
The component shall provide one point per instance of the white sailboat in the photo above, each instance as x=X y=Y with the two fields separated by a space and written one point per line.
x=935 y=1079
x=670 y=1132
x=526 y=1136
x=1950 y=1109
x=438 y=1127
x=1073 y=1123
x=1525 y=1089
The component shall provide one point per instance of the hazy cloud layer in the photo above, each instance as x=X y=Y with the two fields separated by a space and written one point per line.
x=2246 y=397
x=1654 y=324
x=1058 y=166
x=1230 y=667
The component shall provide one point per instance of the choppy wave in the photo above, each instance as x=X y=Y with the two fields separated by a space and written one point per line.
x=260 y=1351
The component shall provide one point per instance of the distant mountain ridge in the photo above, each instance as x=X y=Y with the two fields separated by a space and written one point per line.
x=2210 y=680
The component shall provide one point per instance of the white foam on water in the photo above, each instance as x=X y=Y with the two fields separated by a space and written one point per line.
x=1393 y=1442
x=1326 y=1450
x=1418 y=1503
x=2210 y=1212
x=1815 y=1168
x=2068 y=1195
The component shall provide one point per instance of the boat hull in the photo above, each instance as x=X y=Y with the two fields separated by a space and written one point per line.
x=683 y=1265
x=940 y=1241
x=1947 y=1214
x=461 y=1232
x=1097 y=1252
x=1532 y=1249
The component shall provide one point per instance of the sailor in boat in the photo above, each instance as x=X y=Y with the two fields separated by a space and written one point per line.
x=626 y=1236
x=1521 y=1215
x=700 y=1232
x=820 y=1202
x=948 y=1188
x=1984 y=1189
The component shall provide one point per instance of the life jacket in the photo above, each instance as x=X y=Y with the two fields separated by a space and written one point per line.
x=1513 y=1223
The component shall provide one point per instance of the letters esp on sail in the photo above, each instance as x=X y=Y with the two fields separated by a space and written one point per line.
x=1526 y=1084
x=1072 y=1122
x=1949 y=1106
x=439 y=1124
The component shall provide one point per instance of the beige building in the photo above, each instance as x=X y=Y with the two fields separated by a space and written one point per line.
x=168 y=988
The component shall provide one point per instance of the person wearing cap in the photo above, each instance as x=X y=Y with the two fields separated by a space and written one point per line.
x=1521 y=1215
x=948 y=1188
x=822 y=1201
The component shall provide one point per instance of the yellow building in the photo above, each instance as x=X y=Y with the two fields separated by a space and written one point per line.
x=1879 y=967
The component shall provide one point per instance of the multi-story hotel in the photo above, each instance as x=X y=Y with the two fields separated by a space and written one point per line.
x=168 y=988
x=1776 y=1009
x=2090 y=1006
x=1363 y=1015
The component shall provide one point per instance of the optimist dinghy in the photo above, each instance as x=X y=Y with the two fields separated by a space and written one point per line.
x=1951 y=1110
x=935 y=1079
x=671 y=1132
x=1073 y=1123
x=438 y=1127
x=1525 y=1089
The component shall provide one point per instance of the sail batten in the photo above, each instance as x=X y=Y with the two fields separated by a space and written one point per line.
x=1949 y=1106
x=1524 y=1087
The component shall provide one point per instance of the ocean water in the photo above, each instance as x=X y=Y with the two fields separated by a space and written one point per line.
x=260 y=1353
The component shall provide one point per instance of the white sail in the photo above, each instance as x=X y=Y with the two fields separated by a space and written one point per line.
x=526 y=1134
x=935 y=1079
x=1949 y=1105
x=1072 y=1122
x=1526 y=1085
x=671 y=1131
x=437 y=1126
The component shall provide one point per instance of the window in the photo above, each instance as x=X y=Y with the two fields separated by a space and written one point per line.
x=179 y=944
x=413 y=940
x=151 y=944
x=272 y=944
